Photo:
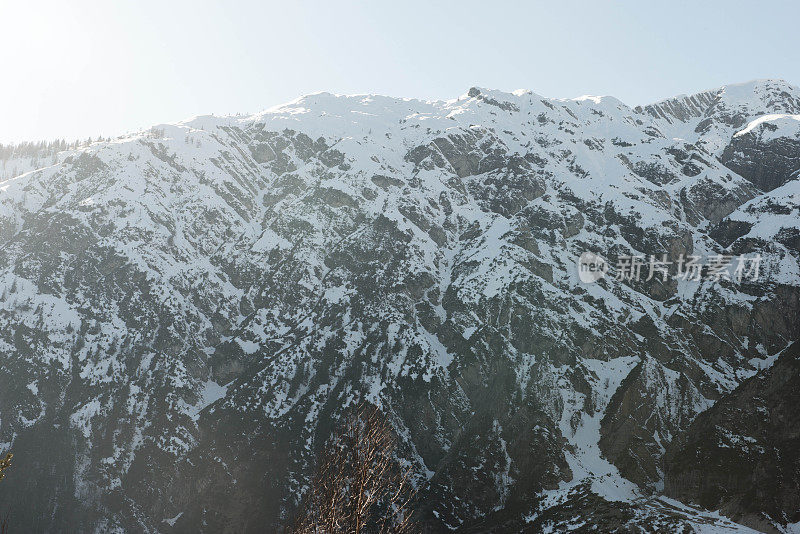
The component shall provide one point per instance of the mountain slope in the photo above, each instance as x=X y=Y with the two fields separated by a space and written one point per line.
x=187 y=311
x=741 y=455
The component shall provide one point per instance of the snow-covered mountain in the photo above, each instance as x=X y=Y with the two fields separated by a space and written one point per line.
x=187 y=311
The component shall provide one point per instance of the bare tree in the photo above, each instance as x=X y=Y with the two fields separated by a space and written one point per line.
x=358 y=488
x=5 y=463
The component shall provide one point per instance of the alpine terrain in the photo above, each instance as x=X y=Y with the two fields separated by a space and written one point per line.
x=188 y=311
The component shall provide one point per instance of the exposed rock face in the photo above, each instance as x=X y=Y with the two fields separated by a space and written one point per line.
x=633 y=433
x=768 y=156
x=186 y=312
x=742 y=456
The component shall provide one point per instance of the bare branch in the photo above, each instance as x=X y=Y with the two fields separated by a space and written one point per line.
x=359 y=487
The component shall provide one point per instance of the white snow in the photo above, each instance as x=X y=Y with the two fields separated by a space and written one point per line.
x=782 y=118
x=209 y=394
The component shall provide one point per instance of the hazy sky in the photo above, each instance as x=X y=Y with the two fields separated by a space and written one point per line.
x=79 y=69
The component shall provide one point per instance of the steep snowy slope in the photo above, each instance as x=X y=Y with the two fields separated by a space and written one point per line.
x=187 y=311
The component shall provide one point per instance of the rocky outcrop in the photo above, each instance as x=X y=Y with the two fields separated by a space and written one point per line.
x=742 y=456
x=652 y=406
x=766 y=162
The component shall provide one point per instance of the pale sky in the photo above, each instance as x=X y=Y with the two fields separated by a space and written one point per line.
x=89 y=68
